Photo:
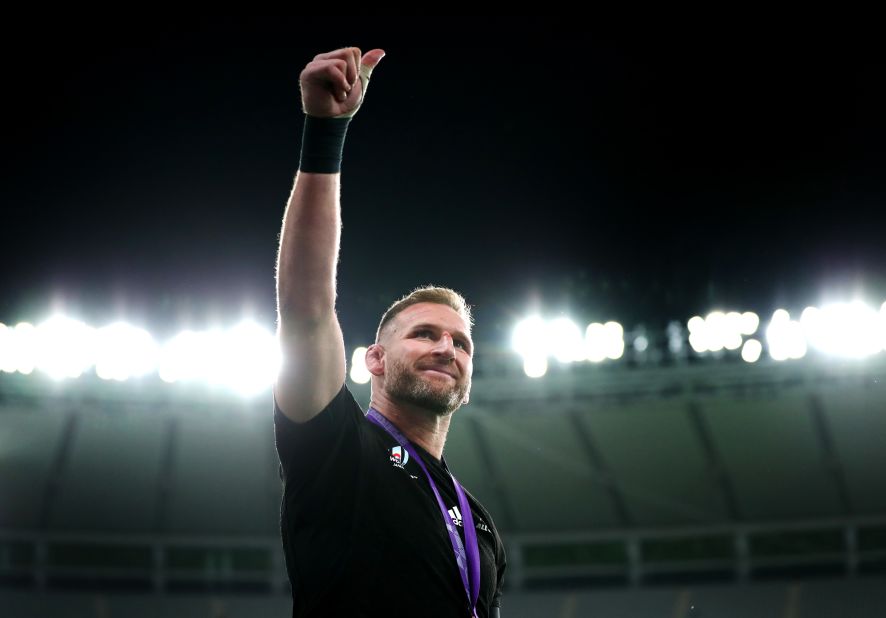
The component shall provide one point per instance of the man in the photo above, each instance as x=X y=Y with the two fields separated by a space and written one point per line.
x=372 y=521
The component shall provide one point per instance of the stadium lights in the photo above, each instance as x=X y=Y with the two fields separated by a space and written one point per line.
x=18 y=348
x=751 y=350
x=359 y=373
x=719 y=331
x=180 y=358
x=535 y=366
x=246 y=358
x=882 y=326
x=124 y=351
x=848 y=330
x=785 y=337
x=536 y=340
x=604 y=341
x=528 y=338
x=64 y=347
x=564 y=337
x=253 y=358
x=532 y=340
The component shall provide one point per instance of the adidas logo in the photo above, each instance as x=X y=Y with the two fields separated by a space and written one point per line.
x=455 y=515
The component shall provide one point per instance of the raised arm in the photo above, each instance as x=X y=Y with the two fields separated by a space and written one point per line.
x=313 y=370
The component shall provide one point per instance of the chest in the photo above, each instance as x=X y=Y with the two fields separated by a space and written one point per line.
x=408 y=525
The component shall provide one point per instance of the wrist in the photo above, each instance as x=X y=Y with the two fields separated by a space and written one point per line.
x=323 y=141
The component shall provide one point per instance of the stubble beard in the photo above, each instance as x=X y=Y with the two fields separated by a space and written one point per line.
x=405 y=385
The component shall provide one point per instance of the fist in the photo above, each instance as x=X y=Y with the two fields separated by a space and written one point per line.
x=334 y=84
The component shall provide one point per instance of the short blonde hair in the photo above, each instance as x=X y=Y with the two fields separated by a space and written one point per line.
x=427 y=294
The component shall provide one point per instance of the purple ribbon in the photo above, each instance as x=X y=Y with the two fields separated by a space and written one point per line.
x=468 y=562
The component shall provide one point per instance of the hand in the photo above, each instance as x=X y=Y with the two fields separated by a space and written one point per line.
x=334 y=84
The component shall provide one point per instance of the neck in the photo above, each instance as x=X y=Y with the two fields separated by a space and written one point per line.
x=420 y=426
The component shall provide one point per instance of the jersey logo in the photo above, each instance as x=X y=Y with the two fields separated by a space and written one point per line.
x=455 y=514
x=399 y=456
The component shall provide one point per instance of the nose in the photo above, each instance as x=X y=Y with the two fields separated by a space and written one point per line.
x=445 y=346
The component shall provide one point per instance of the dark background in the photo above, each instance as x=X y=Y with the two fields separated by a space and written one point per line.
x=641 y=176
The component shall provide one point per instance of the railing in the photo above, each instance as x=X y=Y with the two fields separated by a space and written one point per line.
x=729 y=552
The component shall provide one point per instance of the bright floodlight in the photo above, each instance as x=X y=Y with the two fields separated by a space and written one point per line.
x=810 y=319
x=717 y=329
x=245 y=359
x=252 y=358
x=699 y=341
x=732 y=340
x=850 y=330
x=23 y=349
x=641 y=343
x=733 y=319
x=615 y=341
x=529 y=337
x=565 y=340
x=751 y=350
x=731 y=336
x=359 y=373
x=124 y=351
x=604 y=341
x=595 y=342
x=780 y=314
x=881 y=328
x=695 y=324
x=65 y=347
x=180 y=358
x=785 y=337
x=749 y=323
x=7 y=358
x=535 y=366
x=720 y=330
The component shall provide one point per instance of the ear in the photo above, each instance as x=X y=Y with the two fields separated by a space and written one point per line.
x=467 y=398
x=375 y=359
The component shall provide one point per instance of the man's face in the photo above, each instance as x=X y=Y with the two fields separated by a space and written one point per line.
x=428 y=358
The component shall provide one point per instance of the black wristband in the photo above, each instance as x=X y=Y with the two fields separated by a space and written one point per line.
x=322 y=143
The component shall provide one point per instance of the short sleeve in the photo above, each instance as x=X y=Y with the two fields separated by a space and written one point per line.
x=317 y=446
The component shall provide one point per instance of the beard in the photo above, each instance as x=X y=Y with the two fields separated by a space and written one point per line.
x=439 y=399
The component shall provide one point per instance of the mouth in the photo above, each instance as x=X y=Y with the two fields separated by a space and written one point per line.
x=438 y=371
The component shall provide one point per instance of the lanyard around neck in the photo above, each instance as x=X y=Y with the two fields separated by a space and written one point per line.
x=468 y=561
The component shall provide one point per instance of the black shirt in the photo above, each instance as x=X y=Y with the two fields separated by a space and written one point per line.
x=363 y=534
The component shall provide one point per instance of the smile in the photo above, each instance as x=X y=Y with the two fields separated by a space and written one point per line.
x=437 y=371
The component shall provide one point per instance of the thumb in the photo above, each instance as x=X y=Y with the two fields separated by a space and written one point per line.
x=371 y=59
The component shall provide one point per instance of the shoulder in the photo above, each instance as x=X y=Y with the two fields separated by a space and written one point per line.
x=334 y=432
x=342 y=405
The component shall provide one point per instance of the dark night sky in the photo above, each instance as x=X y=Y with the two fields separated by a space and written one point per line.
x=638 y=177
